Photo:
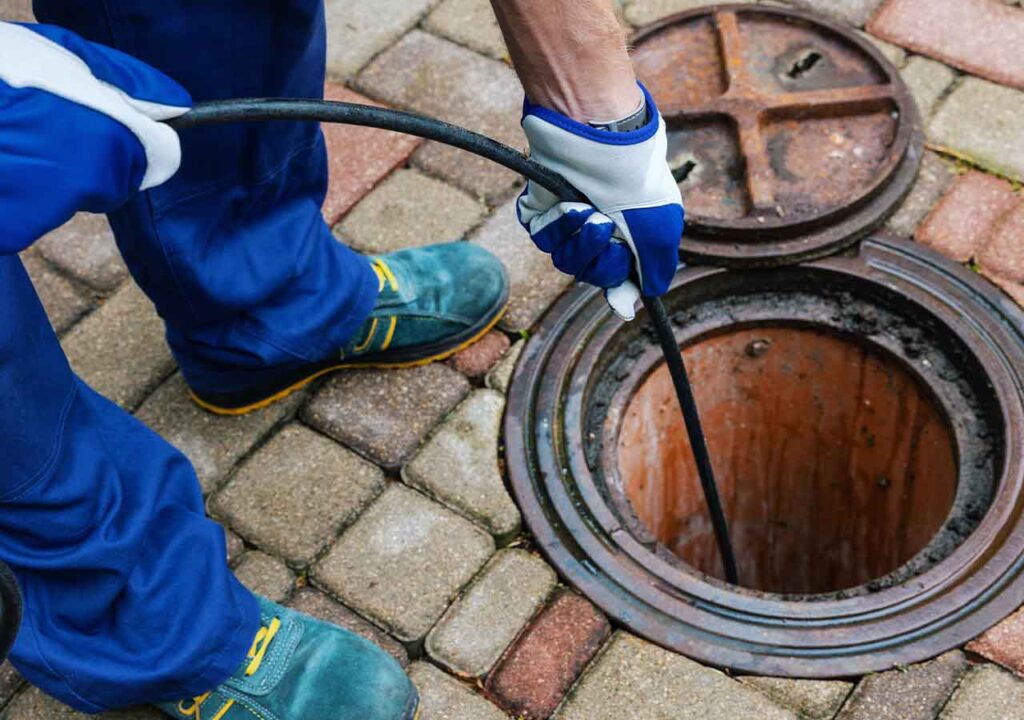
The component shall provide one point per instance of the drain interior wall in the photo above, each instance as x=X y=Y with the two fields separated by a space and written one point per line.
x=834 y=465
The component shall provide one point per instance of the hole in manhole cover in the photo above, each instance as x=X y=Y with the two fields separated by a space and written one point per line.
x=791 y=137
x=861 y=412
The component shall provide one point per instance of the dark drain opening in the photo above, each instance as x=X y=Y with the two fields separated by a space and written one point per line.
x=835 y=464
x=804 y=64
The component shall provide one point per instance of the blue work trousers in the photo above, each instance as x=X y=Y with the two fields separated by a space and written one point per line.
x=128 y=597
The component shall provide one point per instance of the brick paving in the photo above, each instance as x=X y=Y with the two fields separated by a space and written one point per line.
x=535 y=674
x=385 y=415
x=358 y=157
x=933 y=180
x=810 y=699
x=1003 y=643
x=409 y=209
x=979 y=122
x=508 y=592
x=296 y=493
x=65 y=303
x=84 y=248
x=981 y=37
x=404 y=561
x=442 y=697
x=214 y=443
x=470 y=23
x=987 y=693
x=455 y=84
x=635 y=680
x=962 y=223
x=377 y=499
x=459 y=466
x=917 y=692
x=120 y=350
x=534 y=283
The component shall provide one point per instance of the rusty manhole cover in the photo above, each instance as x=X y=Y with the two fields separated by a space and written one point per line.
x=791 y=137
x=863 y=413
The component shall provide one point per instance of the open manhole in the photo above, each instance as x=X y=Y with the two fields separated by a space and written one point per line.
x=863 y=414
x=791 y=137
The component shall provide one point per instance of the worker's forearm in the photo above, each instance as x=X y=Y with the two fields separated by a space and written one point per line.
x=571 y=56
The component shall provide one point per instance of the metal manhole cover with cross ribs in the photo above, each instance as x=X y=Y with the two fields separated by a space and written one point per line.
x=790 y=136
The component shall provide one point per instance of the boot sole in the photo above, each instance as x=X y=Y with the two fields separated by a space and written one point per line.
x=442 y=354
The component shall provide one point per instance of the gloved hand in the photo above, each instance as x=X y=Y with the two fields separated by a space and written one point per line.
x=79 y=129
x=637 y=213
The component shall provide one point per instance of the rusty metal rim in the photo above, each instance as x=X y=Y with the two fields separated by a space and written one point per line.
x=978 y=584
x=741 y=242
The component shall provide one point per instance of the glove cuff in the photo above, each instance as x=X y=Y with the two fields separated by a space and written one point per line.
x=589 y=132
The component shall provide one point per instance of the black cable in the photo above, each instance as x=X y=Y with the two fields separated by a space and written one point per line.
x=263 y=109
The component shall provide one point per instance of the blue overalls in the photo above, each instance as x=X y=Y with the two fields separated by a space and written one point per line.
x=128 y=597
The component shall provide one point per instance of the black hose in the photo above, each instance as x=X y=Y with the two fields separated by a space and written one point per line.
x=263 y=109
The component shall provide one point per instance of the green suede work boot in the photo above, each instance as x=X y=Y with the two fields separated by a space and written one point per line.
x=300 y=668
x=434 y=301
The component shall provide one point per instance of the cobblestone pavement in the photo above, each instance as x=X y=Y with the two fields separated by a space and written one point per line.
x=400 y=526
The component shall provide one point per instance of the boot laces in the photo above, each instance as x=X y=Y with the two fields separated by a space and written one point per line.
x=256 y=654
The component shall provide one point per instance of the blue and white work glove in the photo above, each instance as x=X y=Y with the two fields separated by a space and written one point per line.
x=636 y=220
x=79 y=129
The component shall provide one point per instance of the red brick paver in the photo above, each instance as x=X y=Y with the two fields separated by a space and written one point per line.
x=983 y=37
x=963 y=221
x=538 y=670
x=1004 y=253
x=358 y=157
x=1003 y=643
x=476 y=360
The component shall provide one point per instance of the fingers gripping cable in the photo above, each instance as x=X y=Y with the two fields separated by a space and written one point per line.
x=264 y=109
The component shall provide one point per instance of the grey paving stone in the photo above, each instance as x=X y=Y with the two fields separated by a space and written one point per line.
x=981 y=122
x=916 y=692
x=928 y=80
x=635 y=680
x=534 y=283
x=296 y=493
x=10 y=682
x=409 y=209
x=214 y=443
x=315 y=603
x=933 y=180
x=403 y=561
x=385 y=414
x=359 y=29
x=894 y=53
x=500 y=377
x=642 y=12
x=84 y=248
x=434 y=76
x=235 y=545
x=16 y=10
x=480 y=625
x=64 y=303
x=854 y=12
x=458 y=465
x=265 y=575
x=987 y=693
x=470 y=23
x=811 y=699
x=34 y=705
x=120 y=349
x=442 y=697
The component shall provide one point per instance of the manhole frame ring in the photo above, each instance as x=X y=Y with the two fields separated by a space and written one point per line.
x=707 y=641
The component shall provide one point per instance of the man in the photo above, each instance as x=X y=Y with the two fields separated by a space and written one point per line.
x=127 y=595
